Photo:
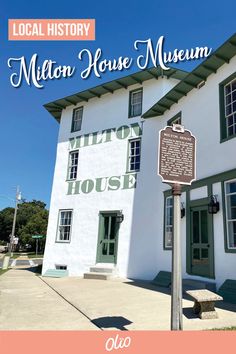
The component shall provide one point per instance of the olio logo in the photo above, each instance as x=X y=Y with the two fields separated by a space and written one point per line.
x=117 y=343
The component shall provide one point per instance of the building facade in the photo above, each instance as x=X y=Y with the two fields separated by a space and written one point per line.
x=109 y=206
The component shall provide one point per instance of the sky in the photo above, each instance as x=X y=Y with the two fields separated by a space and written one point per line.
x=28 y=134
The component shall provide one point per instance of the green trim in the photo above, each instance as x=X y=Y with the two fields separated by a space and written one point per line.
x=127 y=158
x=189 y=204
x=194 y=79
x=167 y=193
x=188 y=232
x=101 y=234
x=223 y=176
x=211 y=221
x=198 y=202
x=56 y=107
x=171 y=120
x=202 y=205
x=227 y=249
x=57 y=229
x=130 y=94
x=72 y=121
x=207 y=181
x=223 y=131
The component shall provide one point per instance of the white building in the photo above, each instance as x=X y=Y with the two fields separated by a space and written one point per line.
x=106 y=168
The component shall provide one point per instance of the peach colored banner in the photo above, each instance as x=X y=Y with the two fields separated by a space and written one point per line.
x=134 y=342
x=51 y=30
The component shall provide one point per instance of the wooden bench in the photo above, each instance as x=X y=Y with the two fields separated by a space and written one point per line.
x=204 y=303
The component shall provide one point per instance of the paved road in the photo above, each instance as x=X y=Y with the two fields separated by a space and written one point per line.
x=1 y=262
x=26 y=262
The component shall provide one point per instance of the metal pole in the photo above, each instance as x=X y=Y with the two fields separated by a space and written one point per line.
x=14 y=221
x=36 y=247
x=176 y=290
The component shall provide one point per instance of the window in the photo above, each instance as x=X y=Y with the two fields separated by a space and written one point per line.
x=228 y=108
x=64 y=225
x=77 y=119
x=135 y=103
x=175 y=120
x=73 y=165
x=168 y=230
x=61 y=266
x=230 y=203
x=134 y=154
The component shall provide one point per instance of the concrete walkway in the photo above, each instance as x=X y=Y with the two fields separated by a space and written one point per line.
x=134 y=305
x=29 y=302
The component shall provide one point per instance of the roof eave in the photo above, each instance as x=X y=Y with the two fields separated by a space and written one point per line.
x=55 y=107
x=200 y=74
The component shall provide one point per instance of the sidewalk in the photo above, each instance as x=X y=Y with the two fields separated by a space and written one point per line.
x=29 y=302
x=135 y=305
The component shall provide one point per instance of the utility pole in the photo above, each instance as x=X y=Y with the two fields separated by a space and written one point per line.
x=6 y=260
x=18 y=198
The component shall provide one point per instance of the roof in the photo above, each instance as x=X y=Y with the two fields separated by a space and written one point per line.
x=56 y=107
x=200 y=74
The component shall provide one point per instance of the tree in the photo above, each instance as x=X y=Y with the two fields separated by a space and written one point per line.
x=6 y=219
x=32 y=218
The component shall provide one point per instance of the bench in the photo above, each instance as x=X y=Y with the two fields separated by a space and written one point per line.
x=204 y=303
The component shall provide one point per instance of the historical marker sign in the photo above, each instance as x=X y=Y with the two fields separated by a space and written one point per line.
x=176 y=160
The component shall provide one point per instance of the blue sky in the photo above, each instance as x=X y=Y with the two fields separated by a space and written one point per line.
x=28 y=134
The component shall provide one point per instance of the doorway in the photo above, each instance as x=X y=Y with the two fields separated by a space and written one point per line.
x=108 y=232
x=201 y=242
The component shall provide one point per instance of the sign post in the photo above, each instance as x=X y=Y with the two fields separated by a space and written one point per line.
x=176 y=165
x=37 y=237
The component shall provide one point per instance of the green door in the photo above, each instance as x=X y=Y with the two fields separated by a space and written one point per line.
x=202 y=262
x=107 y=237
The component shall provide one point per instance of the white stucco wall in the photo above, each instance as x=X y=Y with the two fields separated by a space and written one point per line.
x=103 y=160
x=140 y=250
x=200 y=114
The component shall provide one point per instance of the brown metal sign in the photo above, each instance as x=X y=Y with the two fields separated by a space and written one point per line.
x=177 y=155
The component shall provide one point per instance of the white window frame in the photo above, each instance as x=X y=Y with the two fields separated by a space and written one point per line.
x=72 y=175
x=134 y=104
x=77 y=117
x=130 y=156
x=64 y=225
x=231 y=115
x=167 y=224
x=227 y=220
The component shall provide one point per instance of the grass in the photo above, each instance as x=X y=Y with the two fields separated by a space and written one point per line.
x=224 y=329
x=35 y=256
x=2 y=271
